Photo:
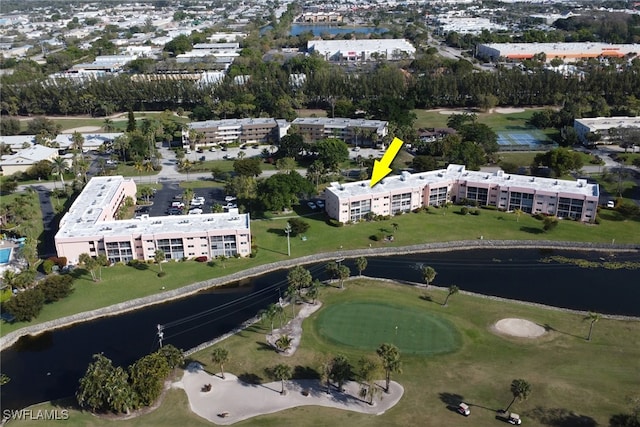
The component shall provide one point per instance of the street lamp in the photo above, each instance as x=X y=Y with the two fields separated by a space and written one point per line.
x=287 y=230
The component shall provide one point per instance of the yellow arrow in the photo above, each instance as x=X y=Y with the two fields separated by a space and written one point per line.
x=381 y=167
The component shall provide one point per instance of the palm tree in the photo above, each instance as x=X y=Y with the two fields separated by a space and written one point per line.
x=520 y=390
x=292 y=294
x=159 y=256
x=452 y=290
x=282 y=372
x=368 y=368
x=428 y=274
x=139 y=167
x=121 y=144
x=241 y=155
x=343 y=274
x=518 y=212
x=77 y=143
x=340 y=370
x=107 y=125
x=101 y=261
x=59 y=167
x=269 y=314
x=314 y=290
x=593 y=318
x=395 y=227
x=220 y=356
x=390 y=356
x=284 y=343
x=361 y=264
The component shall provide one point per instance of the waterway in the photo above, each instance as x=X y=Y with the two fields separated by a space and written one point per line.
x=49 y=365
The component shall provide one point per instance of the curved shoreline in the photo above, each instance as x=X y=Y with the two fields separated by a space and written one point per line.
x=135 y=304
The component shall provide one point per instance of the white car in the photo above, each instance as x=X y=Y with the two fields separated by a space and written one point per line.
x=463 y=409
x=229 y=199
x=311 y=205
x=196 y=202
x=177 y=205
x=320 y=204
x=195 y=211
x=611 y=204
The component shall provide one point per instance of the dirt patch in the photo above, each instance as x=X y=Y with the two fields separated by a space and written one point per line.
x=509 y=110
x=293 y=329
x=521 y=328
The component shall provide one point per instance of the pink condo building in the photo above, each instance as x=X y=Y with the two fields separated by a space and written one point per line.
x=403 y=193
x=90 y=227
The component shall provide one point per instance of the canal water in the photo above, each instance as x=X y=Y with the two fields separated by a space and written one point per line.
x=49 y=365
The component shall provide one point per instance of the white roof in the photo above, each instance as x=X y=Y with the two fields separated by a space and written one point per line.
x=371 y=45
x=523 y=48
x=604 y=123
x=82 y=218
x=232 y=122
x=31 y=155
x=339 y=122
x=408 y=181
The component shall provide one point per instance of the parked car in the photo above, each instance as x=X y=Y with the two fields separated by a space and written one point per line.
x=196 y=211
x=463 y=408
x=179 y=205
x=174 y=211
x=199 y=150
x=311 y=205
x=212 y=149
x=229 y=198
x=320 y=204
x=611 y=204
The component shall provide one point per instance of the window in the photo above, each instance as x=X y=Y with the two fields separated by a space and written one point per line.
x=570 y=208
x=119 y=251
x=400 y=203
x=438 y=196
x=522 y=201
x=478 y=194
x=223 y=245
x=360 y=209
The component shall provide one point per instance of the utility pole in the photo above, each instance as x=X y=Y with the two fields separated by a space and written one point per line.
x=287 y=230
x=160 y=334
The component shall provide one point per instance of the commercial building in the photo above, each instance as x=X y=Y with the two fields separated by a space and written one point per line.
x=351 y=131
x=356 y=201
x=568 y=52
x=90 y=227
x=602 y=126
x=362 y=50
x=213 y=132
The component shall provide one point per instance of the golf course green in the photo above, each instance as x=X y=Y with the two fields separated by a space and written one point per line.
x=366 y=325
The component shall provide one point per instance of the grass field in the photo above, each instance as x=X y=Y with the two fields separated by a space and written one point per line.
x=573 y=382
x=496 y=121
x=364 y=325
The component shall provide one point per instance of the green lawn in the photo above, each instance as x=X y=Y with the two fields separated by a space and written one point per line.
x=570 y=378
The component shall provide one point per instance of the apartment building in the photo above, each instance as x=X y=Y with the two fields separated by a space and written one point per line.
x=90 y=227
x=210 y=132
x=406 y=192
x=602 y=127
x=362 y=50
x=352 y=131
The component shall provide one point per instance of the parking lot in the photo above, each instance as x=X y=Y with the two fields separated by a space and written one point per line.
x=167 y=195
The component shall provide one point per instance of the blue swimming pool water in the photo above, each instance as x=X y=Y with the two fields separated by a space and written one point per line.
x=5 y=255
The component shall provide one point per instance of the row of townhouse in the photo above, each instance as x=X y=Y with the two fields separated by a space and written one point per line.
x=262 y=130
x=355 y=201
x=90 y=227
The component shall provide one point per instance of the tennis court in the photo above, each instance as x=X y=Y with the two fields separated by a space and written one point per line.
x=366 y=325
x=524 y=141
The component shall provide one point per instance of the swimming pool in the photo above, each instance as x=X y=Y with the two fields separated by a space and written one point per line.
x=5 y=255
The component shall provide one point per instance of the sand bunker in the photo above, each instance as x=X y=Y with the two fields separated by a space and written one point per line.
x=519 y=328
x=83 y=129
x=508 y=110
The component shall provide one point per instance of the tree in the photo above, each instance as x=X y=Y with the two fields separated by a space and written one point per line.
x=424 y=163
x=158 y=257
x=147 y=377
x=270 y=313
x=90 y=264
x=131 y=121
x=340 y=370
x=290 y=146
x=361 y=264
x=332 y=269
x=282 y=372
x=281 y=191
x=550 y=222
x=520 y=390
x=25 y=305
x=286 y=164
x=59 y=167
x=247 y=167
x=518 y=213
x=172 y=355
x=453 y=289
x=332 y=152
x=298 y=226
x=56 y=287
x=560 y=160
x=298 y=278
x=314 y=290
x=105 y=387
x=390 y=356
x=284 y=343
x=220 y=356
x=592 y=318
x=428 y=274
x=343 y=274
x=368 y=369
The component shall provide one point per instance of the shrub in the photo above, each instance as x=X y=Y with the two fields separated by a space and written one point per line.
x=25 y=305
x=550 y=223
x=334 y=223
x=202 y=259
x=62 y=261
x=56 y=287
x=298 y=226
x=476 y=212
x=47 y=266
x=489 y=207
x=464 y=210
x=378 y=237
x=253 y=254
x=162 y=274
